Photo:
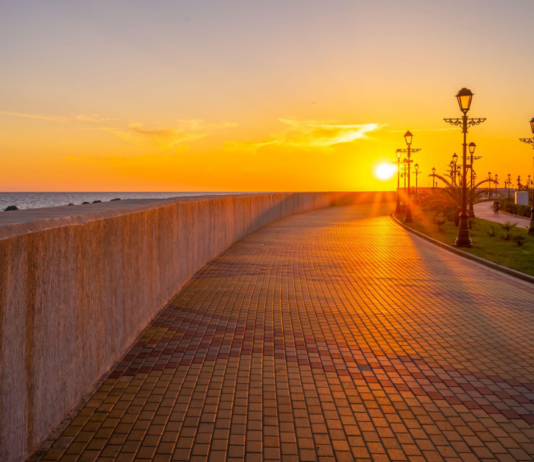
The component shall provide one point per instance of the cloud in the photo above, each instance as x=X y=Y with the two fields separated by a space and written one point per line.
x=93 y=118
x=36 y=116
x=167 y=137
x=199 y=124
x=308 y=134
x=425 y=130
x=161 y=138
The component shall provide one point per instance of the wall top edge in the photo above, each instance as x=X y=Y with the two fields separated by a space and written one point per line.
x=19 y=222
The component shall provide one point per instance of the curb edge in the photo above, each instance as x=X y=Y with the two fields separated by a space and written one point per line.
x=482 y=261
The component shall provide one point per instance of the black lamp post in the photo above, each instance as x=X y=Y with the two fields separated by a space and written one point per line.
x=397 y=208
x=529 y=187
x=416 y=175
x=472 y=147
x=531 y=142
x=433 y=177
x=509 y=184
x=454 y=161
x=519 y=182
x=404 y=163
x=464 y=97
x=489 y=185
x=408 y=137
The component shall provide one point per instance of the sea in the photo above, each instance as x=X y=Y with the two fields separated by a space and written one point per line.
x=35 y=200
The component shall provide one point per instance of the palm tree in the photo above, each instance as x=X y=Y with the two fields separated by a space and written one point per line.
x=449 y=198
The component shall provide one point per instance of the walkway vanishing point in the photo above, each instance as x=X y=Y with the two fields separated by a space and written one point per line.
x=329 y=335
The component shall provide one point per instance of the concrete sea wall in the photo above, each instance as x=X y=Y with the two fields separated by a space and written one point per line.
x=78 y=285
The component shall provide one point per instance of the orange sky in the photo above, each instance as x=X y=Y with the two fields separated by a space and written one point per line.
x=252 y=96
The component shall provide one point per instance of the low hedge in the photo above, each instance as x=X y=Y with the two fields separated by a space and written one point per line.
x=516 y=209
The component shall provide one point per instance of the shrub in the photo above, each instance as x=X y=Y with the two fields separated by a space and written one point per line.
x=439 y=220
x=520 y=239
x=516 y=209
x=492 y=232
x=508 y=227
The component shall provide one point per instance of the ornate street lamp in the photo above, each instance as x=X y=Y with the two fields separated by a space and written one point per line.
x=408 y=137
x=531 y=142
x=518 y=182
x=464 y=97
x=509 y=184
x=397 y=208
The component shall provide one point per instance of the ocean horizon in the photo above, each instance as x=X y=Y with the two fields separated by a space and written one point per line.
x=36 y=200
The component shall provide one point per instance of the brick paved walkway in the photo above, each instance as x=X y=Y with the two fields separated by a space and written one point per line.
x=326 y=336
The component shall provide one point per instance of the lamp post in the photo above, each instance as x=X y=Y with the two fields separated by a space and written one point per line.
x=531 y=142
x=408 y=137
x=416 y=175
x=509 y=184
x=529 y=187
x=404 y=163
x=472 y=147
x=433 y=177
x=489 y=185
x=518 y=182
x=464 y=97
x=454 y=161
x=397 y=208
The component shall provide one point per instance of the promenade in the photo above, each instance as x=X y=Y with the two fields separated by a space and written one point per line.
x=485 y=210
x=328 y=335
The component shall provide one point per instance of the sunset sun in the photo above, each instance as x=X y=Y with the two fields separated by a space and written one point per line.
x=385 y=171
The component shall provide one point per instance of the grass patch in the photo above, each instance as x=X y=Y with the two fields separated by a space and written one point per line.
x=496 y=249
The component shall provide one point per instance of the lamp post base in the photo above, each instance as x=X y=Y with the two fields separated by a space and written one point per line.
x=408 y=218
x=531 y=227
x=463 y=239
x=398 y=206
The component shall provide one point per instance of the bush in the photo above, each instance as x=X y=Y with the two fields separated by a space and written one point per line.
x=492 y=232
x=439 y=220
x=508 y=227
x=516 y=209
x=520 y=239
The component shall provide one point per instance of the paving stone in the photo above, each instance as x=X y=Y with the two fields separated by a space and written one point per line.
x=330 y=335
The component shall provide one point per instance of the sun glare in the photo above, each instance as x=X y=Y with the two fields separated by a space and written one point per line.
x=385 y=171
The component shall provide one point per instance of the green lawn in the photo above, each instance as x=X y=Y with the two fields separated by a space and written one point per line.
x=495 y=249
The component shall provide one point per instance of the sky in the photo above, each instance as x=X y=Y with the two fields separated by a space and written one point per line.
x=240 y=95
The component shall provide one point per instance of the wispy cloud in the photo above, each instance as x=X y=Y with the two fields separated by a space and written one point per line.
x=161 y=138
x=308 y=134
x=425 y=130
x=48 y=118
x=93 y=118
x=187 y=131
